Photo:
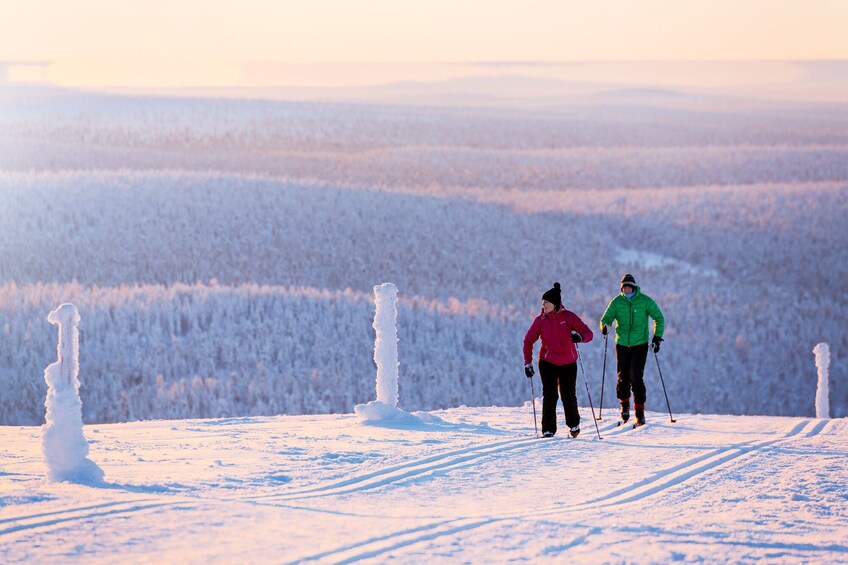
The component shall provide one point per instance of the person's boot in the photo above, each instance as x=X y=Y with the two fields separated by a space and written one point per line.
x=575 y=431
x=625 y=411
x=640 y=415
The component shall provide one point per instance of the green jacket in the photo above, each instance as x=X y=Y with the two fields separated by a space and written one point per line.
x=631 y=317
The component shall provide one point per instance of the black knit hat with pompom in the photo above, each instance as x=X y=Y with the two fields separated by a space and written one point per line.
x=554 y=295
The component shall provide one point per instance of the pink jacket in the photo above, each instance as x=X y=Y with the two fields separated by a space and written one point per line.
x=555 y=330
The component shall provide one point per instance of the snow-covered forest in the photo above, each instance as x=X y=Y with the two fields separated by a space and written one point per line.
x=222 y=252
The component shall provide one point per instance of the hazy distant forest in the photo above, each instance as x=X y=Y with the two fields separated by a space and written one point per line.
x=223 y=252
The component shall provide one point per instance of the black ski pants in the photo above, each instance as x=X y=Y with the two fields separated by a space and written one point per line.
x=564 y=378
x=631 y=372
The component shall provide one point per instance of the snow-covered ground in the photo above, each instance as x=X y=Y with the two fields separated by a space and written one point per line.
x=460 y=485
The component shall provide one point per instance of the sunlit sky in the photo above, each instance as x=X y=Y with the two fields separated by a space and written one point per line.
x=209 y=42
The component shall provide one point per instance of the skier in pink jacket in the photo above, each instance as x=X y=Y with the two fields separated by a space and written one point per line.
x=560 y=330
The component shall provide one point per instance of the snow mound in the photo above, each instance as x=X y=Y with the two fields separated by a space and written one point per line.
x=377 y=412
x=822 y=353
x=64 y=446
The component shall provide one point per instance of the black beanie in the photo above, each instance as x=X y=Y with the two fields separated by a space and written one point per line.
x=554 y=295
x=628 y=280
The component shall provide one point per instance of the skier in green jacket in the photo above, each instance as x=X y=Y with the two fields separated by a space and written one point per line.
x=630 y=311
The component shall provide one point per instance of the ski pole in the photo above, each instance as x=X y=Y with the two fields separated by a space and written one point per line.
x=603 y=377
x=533 y=402
x=589 y=394
x=670 y=417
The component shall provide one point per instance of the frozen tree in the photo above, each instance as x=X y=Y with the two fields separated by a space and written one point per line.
x=385 y=344
x=64 y=446
x=822 y=353
x=385 y=409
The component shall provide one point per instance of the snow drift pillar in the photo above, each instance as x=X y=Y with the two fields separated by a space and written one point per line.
x=385 y=344
x=63 y=444
x=822 y=353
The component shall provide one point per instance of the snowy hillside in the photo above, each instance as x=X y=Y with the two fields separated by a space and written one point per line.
x=222 y=252
x=453 y=486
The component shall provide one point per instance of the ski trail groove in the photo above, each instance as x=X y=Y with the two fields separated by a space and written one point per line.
x=380 y=545
x=680 y=473
x=75 y=509
x=132 y=507
x=818 y=428
x=397 y=473
x=663 y=480
x=440 y=462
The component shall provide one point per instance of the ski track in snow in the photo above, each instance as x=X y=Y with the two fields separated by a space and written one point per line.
x=373 y=547
x=466 y=456
x=436 y=463
x=682 y=472
x=664 y=480
x=455 y=459
x=46 y=520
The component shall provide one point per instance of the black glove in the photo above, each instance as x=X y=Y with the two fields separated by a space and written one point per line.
x=528 y=370
x=655 y=344
x=576 y=337
x=604 y=329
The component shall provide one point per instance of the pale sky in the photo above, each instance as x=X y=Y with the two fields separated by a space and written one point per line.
x=209 y=41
